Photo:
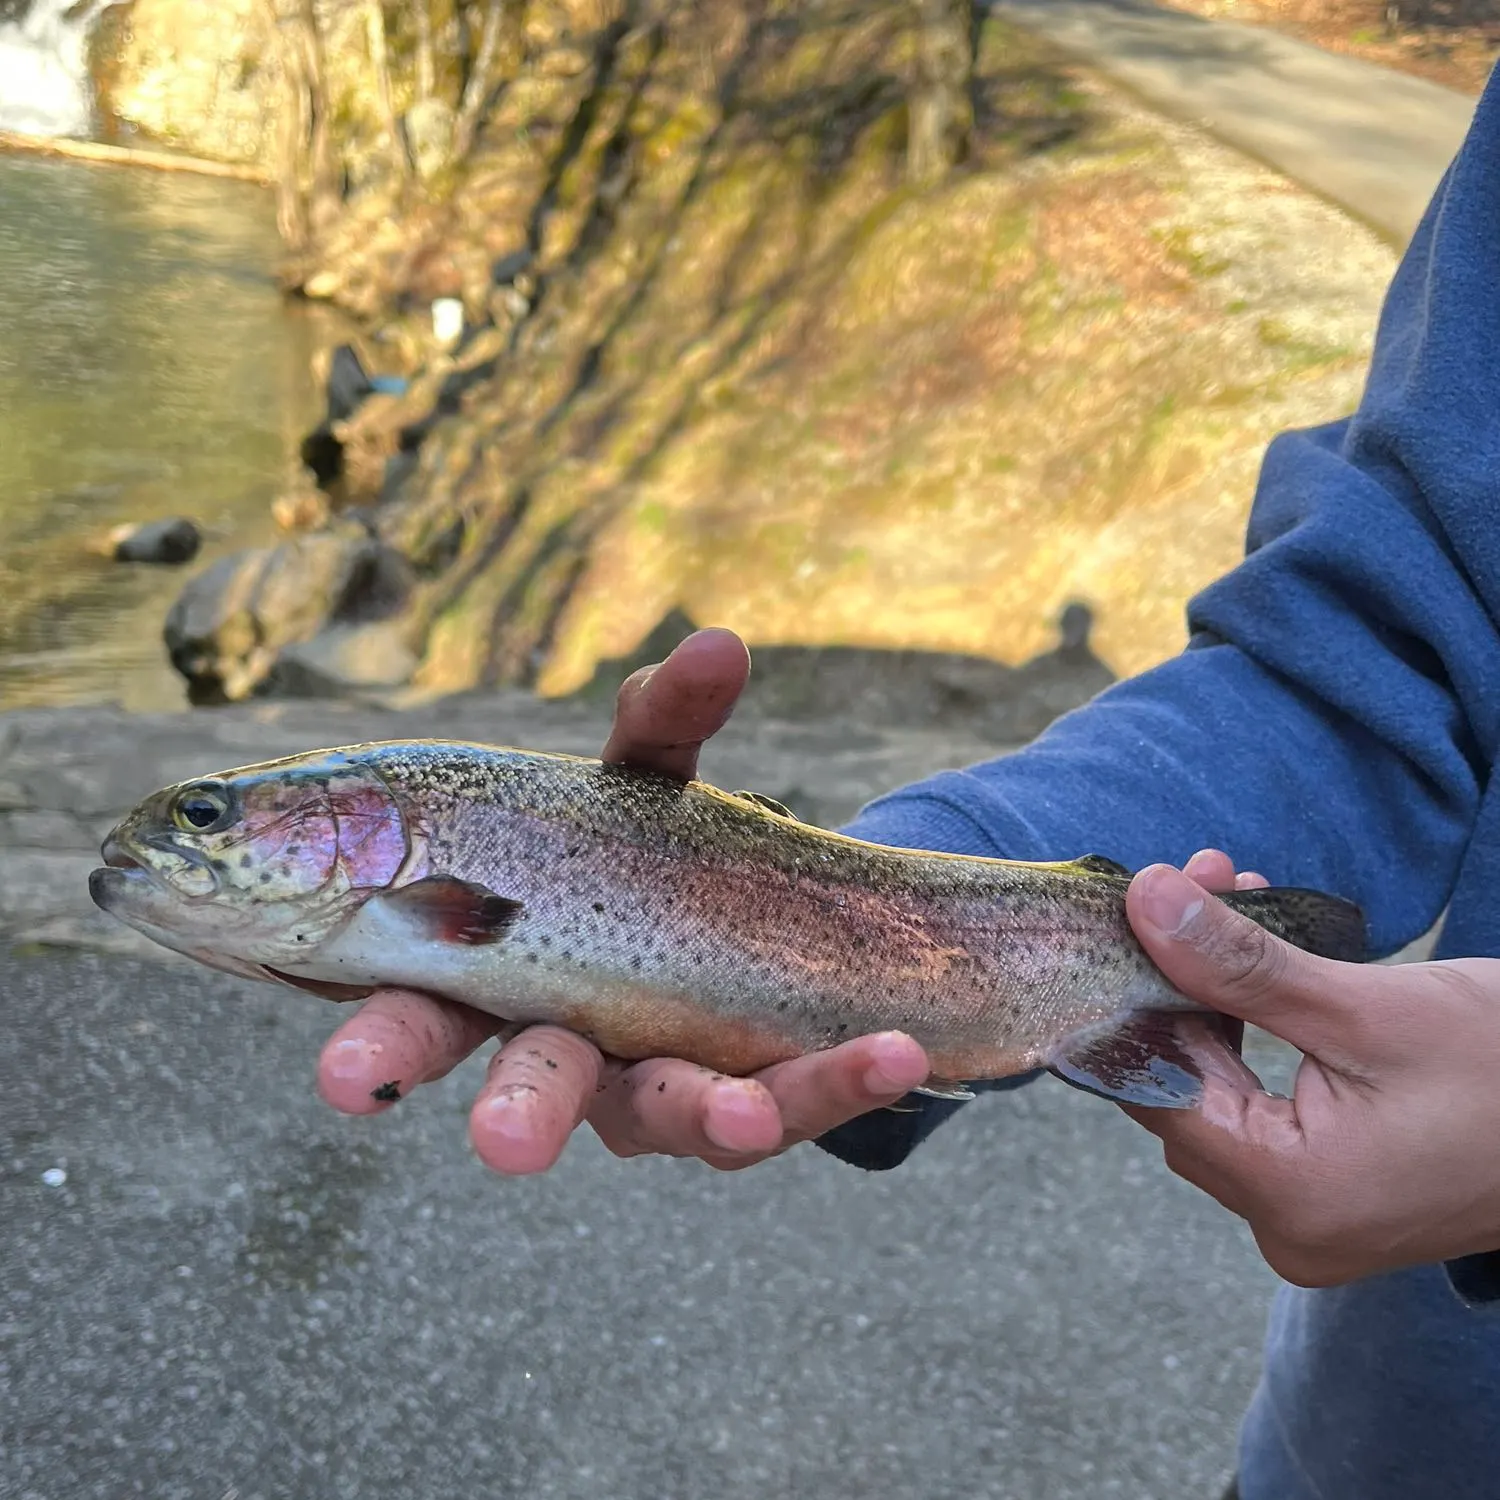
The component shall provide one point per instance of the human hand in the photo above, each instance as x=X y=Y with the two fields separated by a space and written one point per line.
x=543 y=1082
x=1384 y=1155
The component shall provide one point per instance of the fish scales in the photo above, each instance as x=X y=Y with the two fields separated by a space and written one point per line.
x=809 y=937
x=659 y=917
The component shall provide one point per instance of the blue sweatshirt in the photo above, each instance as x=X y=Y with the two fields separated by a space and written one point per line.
x=1332 y=723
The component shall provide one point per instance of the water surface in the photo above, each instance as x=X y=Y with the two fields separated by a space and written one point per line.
x=148 y=367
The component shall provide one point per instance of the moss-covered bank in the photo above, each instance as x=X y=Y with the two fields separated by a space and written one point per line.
x=750 y=371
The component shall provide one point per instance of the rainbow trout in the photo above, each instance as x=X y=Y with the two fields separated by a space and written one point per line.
x=659 y=918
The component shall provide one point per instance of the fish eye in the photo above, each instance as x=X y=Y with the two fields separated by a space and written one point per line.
x=203 y=809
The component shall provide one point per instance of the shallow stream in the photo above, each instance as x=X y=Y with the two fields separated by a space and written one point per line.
x=149 y=367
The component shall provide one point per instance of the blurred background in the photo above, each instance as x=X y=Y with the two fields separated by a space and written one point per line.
x=389 y=367
x=870 y=324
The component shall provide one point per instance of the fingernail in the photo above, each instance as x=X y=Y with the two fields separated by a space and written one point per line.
x=896 y=1067
x=891 y=1075
x=511 y=1116
x=1170 y=901
x=730 y=1110
x=351 y=1058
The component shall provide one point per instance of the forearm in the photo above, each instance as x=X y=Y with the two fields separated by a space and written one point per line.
x=1208 y=750
x=1339 y=711
x=1313 y=731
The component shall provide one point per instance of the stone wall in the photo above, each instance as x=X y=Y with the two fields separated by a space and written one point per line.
x=203 y=77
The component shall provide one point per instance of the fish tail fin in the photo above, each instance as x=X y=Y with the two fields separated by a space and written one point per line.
x=1325 y=925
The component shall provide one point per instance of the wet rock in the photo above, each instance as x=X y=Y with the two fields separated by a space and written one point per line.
x=229 y=626
x=344 y=661
x=302 y=509
x=172 y=541
x=509 y=266
x=429 y=130
x=347 y=387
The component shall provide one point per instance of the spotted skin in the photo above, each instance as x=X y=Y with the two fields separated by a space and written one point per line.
x=666 y=918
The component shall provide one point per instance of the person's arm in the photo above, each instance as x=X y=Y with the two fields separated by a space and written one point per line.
x=1331 y=723
x=1335 y=715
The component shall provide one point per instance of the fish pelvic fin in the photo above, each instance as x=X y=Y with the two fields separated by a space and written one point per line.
x=944 y=1088
x=1156 y=1058
x=1325 y=925
x=325 y=989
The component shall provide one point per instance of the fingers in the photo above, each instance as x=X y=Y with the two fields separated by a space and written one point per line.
x=675 y=1109
x=536 y=1091
x=1228 y=962
x=819 y=1092
x=396 y=1040
x=663 y=714
x=1235 y=1146
x=1214 y=871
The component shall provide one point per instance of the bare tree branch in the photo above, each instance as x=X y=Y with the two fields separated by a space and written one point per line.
x=480 y=81
x=291 y=136
x=380 y=61
x=940 y=112
x=426 y=70
x=324 y=194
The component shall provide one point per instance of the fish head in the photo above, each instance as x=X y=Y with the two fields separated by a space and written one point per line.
x=256 y=867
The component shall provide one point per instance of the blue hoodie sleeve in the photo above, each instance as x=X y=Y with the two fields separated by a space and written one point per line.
x=1333 y=718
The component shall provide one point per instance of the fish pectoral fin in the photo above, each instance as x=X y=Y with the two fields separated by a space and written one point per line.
x=944 y=1088
x=450 y=910
x=1154 y=1058
x=327 y=989
x=770 y=804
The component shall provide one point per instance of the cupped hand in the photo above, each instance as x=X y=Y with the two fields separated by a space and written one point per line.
x=543 y=1082
x=1383 y=1157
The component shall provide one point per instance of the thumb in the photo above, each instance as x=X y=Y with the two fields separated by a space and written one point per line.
x=663 y=714
x=1226 y=961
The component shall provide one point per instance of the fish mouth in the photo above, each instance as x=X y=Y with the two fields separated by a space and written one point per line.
x=117 y=857
x=109 y=882
x=120 y=873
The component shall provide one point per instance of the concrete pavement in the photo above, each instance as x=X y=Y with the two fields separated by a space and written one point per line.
x=1374 y=141
x=237 y=1295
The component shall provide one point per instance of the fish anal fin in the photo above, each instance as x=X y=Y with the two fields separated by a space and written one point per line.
x=944 y=1088
x=448 y=910
x=1154 y=1058
x=326 y=989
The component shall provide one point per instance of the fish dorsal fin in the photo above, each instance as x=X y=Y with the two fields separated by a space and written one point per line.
x=1155 y=1058
x=770 y=804
x=327 y=989
x=1101 y=864
x=449 y=910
